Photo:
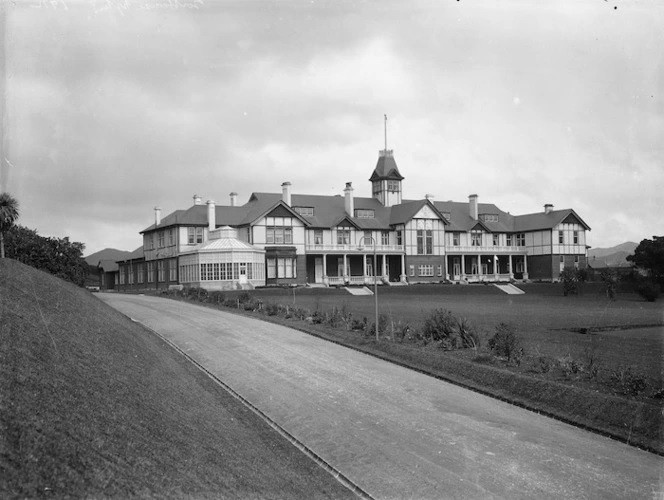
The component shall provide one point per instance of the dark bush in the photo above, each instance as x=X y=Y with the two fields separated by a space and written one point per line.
x=272 y=309
x=245 y=297
x=569 y=366
x=441 y=326
x=570 y=280
x=610 y=279
x=507 y=344
x=467 y=334
x=648 y=290
x=383 y=321
x=628 y=381
x=216 y=297
x=541 y=364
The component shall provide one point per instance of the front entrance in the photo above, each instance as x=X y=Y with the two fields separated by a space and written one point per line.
x=243 y=273
x=318 y=270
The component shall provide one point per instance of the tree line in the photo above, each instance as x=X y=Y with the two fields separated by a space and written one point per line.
x=58 y=256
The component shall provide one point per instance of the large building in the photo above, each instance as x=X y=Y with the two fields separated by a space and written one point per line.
x=287 y=239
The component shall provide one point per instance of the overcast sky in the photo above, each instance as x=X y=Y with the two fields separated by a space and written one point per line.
x=115 y=106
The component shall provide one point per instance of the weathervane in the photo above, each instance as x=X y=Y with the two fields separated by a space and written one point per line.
x=385 y=133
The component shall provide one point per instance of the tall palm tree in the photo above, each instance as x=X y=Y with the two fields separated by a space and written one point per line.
x=8 y=216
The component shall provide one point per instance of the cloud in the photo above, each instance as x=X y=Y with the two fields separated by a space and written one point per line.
x=110 y=113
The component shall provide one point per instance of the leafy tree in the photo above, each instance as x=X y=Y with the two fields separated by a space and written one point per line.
x=58 y=256
x=8 y=216
x=649 y=256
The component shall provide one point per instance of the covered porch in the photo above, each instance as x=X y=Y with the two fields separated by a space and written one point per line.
x=486 y=268
x=336 y=269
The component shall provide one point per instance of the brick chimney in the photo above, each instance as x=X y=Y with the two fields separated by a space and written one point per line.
x=472 y=202
x=211 y=215
x=548 y=208
x=233 y=196
x=349 y=204
x=198 y=200
x=286 y=193
x=157 y=216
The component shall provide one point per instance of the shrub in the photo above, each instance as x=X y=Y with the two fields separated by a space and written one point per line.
x=541 y=364
x=570 y=281
x=591 y=362
x=648 y=290
x=400 y=330
x=245 y=297
x=382 y=326
x=467 y=334
x=360 y=325
x=317 y=317
x=569 y=366
x=628 y=381
x=440 y=326
x=216 y=297
x=272 y=309
x=610 y=280
x=507 y=344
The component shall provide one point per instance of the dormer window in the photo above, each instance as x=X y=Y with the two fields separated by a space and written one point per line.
x=363 y=213
x=489 y=217
x=306 y=211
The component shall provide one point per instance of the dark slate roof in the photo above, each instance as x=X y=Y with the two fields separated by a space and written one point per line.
x=135 y=255
x=460 y=219
x=541 y=220
x=386 y=168
x=196 y=215
x=108 y=266
x=330 y=210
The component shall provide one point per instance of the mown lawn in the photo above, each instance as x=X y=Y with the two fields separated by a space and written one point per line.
x=548 y=322
x=94 y=406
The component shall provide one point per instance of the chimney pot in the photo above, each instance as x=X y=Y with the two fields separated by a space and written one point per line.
x=286 y=193
x=157 y=216
x=548 y=208
x=198 y=200
x=212 y=216
x=233 y=196
x=349 y=203
x=472 y=201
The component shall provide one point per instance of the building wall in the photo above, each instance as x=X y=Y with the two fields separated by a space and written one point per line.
x=413 y=271
x=568 y=246
x=540 y=267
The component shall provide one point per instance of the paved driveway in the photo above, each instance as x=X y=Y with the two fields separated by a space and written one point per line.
x=395 y=432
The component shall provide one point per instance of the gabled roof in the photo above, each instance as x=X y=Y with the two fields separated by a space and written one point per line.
x=386 y=168
x=405 y=211
x=532 y=222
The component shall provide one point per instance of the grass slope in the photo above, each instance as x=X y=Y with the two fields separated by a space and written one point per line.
x=93 y=405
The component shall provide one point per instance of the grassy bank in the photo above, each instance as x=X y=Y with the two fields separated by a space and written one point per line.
x=614 y=388
x=93 y=405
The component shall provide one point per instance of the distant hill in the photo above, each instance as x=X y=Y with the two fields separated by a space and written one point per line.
x=106 y=254
x=613 y=256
